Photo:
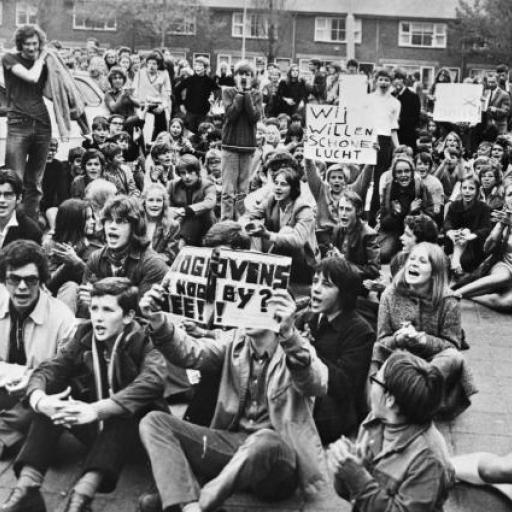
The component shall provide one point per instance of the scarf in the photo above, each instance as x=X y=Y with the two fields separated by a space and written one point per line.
x=117 y=260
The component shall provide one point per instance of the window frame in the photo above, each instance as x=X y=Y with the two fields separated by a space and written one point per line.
x=358 y=29
x=187 y=19
x=84 y=26
x=29 y=11
x=240 y=24
x=439 y=30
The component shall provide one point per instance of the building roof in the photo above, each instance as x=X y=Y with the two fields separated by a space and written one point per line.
x=429 y=9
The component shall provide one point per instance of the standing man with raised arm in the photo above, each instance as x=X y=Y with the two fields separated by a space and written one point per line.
x=28 y=122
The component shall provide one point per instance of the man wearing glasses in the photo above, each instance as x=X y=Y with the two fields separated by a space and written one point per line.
x=33 y=324
x=14 y=224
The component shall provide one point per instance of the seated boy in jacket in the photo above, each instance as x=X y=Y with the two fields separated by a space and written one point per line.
x=114 y=376
x=400 y=460
x=262 y=437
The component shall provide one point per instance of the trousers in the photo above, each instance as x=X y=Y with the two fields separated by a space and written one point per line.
x=181 y=452
x=236 y=168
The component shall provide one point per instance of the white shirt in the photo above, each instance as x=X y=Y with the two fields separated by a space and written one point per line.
x=12 y=223
x=385 y=110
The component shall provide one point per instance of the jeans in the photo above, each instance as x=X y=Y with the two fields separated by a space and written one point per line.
x=26 y=150
x=261 y=463
x=384 y=158
x=235 y=183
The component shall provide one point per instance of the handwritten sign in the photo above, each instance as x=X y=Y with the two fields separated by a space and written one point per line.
x=353 y=89
x=244 y=284
x=188 y=284
x=340 y=134
x=458 y=103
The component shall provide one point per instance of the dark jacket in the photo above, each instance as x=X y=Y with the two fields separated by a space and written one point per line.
x=477 y=218
x=409 y=117
x=56 y=185
x=363 y=252
x=345 y=347
x=138 y=370
x=27 y=229
x=165 y=241
x=413 y=474
x=198 y=92
x=297 y=90
x=394 y=223
x=243 y=111
x=144 y=267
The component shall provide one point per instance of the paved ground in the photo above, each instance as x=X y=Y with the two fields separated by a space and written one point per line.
x=486 y=425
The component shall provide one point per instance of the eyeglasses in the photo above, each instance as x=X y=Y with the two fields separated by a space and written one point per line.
x=15 y=280
x=8 y=195
x=378 y=382
x=213 y=161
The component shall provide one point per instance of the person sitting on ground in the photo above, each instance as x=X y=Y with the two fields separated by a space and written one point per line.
x=132 y=158
x=434 y=187
x=73 y=167
x=400 y=460
x=92 y=165
x=266 y=441
x=494 y=287
x=116 y=172
x=14 y=224
x=99 y=134
x=97 y=193
x=492 y=190
x=192 y=199
x=467 y=225
x=285 y=224
x=127 y=252
x=33 y=325
x=420 y=314
x=161 y=169
x=103 y=414
x=69 y=248
x=162 y=230
x=403 y=196
x=343 y=340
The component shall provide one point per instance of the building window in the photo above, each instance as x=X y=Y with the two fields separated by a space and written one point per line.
x=256 y=25
x=82 y=20
x=333 y=30
x=185 y=26
x=422 y=35
x=1 y=12
x=26 y=13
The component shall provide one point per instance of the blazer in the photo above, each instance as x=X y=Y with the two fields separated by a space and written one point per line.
x=501 y=101
x=27 y=229
x=201 y=202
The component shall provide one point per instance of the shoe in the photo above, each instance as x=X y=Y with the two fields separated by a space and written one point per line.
x=24 y=499
x=150 y=502
x=78 y=503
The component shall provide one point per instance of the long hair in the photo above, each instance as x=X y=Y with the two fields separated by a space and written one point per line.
x=165 y=217
x=292 y=178
x=70 y=221
x=439 y=280
x=26 y=31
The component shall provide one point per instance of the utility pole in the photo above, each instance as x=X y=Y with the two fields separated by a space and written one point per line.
x=349 y=32
x=244 y=21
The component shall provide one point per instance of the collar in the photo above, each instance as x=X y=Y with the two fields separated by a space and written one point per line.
x=11 y=223
x=268 y=354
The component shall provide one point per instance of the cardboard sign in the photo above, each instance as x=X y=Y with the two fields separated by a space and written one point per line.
x=188 y=284
x=340 y=134
x=353 y=90
x=458 y=103
x=244 y=283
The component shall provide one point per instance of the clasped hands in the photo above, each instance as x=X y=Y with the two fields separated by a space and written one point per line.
x=408 y=337
x=63 y=410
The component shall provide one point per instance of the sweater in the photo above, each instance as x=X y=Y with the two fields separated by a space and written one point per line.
x=243 y=111
x=198 y=90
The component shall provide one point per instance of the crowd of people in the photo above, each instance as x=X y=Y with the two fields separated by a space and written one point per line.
x=364 y=359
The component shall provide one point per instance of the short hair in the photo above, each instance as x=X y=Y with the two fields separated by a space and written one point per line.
x=202 y=60
x=352 y=63
x=74 y=153
x=383 y=72
x=123 y=49
x=116 y=116
x=227 y=232
x=23 y=252
x=130 y=209
x=70 y=220
x=423 y=227
x=400 y=74
x=119 y=287
x=100 y=122
x=11 y=177
x=114 y=71
x=292 y=178
x=156 y=56
x=244 y=66
x=425 y=158
x=317 y=63
x=354 y=198
x=98 y=192
x=416 y=385
x=110 y=150
x=159 y=148
x=91 y=154
x=471 y=176
x=501 y=68
x=340 y=272
x=188 y=163
x=24 y=32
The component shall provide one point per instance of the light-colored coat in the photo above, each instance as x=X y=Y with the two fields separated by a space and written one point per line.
x=290 y=389
x=50 y=324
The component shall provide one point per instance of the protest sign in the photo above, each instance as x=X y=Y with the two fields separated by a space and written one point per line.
x=458 y=103
x=340 y=134
x=244 y=283
x=188 y=284
x=353 y=90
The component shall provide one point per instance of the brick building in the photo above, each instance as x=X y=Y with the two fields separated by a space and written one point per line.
x=414 y=34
